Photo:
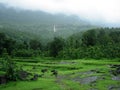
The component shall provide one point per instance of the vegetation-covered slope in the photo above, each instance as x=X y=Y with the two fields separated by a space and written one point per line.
x=39 y=24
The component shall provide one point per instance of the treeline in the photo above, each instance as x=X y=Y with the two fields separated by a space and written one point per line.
x=18 y=48
x=95 y=43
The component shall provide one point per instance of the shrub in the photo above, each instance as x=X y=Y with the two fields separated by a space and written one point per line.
x=24 y=53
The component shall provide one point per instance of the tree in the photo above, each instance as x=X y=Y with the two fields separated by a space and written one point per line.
x=115 y=36
x=10 y=45
x=2 y=42
x=9 y=67
x=7 y=43
x=56 y=46
x=35 y=45
x=89 y=38
x=102 y=38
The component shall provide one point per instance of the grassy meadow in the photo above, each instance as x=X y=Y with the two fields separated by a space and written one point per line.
x=81 y=74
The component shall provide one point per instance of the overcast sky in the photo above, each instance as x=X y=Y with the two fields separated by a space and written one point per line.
x=95 y=11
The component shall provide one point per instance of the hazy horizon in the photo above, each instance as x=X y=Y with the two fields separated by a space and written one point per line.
x=99 y=12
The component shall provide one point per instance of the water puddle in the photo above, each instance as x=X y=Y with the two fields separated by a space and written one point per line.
x=86 y=80
x=113 y=87
x=116 y=78
x=63 y=62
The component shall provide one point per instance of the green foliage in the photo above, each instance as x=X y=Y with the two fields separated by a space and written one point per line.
x=70 y=77
x=89 y=38
x=6 y=43
x=95 y=43
x=56 y=46
x=115 y=36
x=35 y=45
x=9 y=67
x=23 y=53
x=2 y=41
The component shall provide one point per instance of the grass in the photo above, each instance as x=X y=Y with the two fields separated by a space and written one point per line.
x=41 y=84
x=68 y=70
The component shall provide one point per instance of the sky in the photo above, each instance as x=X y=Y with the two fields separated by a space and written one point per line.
x=95 y=11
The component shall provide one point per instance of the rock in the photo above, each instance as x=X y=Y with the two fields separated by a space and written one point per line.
x=35 y=77
x=23 y=75
x=86 y=80
x=116 y=78
x=113 y=87
x=54 y=72
x=3 y=79
x=44 y=70
x=110 y=87
x=114 y=66
x=115 y=72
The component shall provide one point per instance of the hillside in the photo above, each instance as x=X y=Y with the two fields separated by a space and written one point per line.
x=38 y=24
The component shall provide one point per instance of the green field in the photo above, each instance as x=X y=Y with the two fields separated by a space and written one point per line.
x=81 y=74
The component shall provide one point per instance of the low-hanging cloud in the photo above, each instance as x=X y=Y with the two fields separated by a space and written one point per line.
x=95 y=11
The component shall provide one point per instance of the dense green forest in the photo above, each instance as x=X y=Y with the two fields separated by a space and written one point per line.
x=95 y=43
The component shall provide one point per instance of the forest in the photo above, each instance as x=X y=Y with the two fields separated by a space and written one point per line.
x=95 y=43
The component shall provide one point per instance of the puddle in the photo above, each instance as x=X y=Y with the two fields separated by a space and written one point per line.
x=85 y=73
x=86 y=80
x=112 y=87
x=62 y=62
x=116 y=78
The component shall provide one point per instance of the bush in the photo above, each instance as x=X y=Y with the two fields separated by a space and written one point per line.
x=23 y=53
x=9 y=67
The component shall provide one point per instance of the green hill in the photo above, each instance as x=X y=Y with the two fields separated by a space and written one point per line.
x=37 y=24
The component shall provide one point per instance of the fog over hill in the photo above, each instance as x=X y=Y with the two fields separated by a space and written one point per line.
x=13 y=15
x=97 y=12
x=40 y=24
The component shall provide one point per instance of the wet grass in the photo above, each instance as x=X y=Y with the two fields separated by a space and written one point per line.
x=68 y=71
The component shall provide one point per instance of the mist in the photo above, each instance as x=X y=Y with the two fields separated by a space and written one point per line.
x=100 y=12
